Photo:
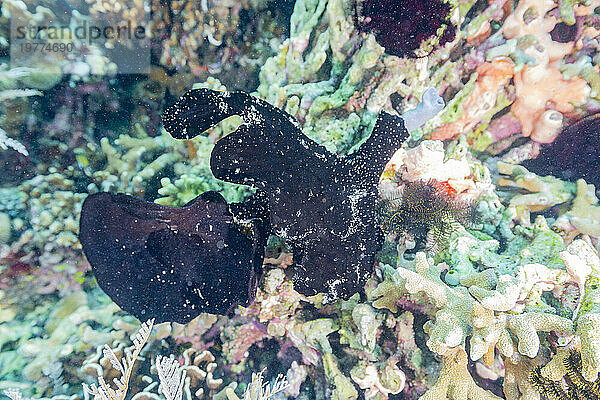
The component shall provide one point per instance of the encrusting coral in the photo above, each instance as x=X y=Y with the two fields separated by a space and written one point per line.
x=478 y=106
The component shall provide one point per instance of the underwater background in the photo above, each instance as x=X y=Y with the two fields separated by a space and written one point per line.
x=485 y=282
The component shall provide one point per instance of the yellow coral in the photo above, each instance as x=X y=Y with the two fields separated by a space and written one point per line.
x=455 y=381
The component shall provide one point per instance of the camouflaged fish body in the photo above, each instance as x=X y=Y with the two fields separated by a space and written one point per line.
x=170 y=263
x=323 y=205
x=173 y=263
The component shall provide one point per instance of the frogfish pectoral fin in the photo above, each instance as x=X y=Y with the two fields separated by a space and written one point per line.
x=169 y=263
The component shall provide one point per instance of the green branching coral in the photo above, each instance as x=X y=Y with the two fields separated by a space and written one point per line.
x=132 y=162
x=196 y=179
x=497 y=315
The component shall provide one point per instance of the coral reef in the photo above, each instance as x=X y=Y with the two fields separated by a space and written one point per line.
x=541 y=193
x=570 y=367
x=506 y=307
x=216 y=38
x=476 y=310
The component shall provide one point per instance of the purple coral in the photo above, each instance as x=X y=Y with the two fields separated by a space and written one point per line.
x=402 y=25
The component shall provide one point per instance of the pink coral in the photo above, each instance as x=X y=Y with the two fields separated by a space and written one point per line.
x=542 y=93
x=503 y=127
x=237 y=340
x=492 y=76
x=542 y=97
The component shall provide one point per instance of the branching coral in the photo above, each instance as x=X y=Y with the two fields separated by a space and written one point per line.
x=341 y=385
x=199 y=368
x=337 y=104
x=193 y=180
x=544 y=192
x=54 y=208
x=136 y=160
x=379 y=383
x=455 y=382
x=175 y=379
x=510 y=297
x=584 y=214
x=488 y=313
x=570 y=382
x=73 y=316
x=215 y=37
x=516 y=378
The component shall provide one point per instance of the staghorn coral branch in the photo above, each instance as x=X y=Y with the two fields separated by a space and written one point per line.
x=455 y=381
x=526 y=326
